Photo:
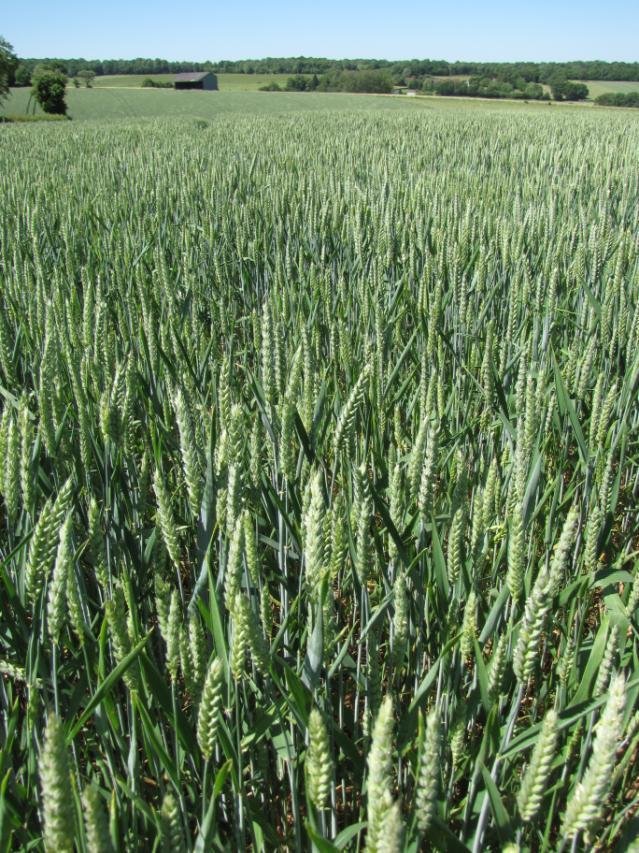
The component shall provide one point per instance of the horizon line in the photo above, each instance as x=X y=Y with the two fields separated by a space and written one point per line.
x=338 y=59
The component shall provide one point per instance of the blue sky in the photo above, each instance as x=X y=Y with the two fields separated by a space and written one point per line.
x=198 y=30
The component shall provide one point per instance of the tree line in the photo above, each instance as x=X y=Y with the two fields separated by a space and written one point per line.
x=367 y=81
x=381 y=81
x=402 y=71
x=618 y=99
x=518 y=88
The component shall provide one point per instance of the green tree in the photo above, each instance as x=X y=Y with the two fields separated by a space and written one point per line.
x=576 y=92
x=22 y=75
x=564 y=90
x=8 y=63
x=49 y=87
x=298 y=83
x=87 y=77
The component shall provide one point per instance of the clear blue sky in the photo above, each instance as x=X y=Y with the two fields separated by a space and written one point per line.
x=201 y=29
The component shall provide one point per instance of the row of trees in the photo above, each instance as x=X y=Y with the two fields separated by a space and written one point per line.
x=486 y=87
x=492 y=80
x=618 y=99
x=402 y=71
x=407 y=70
x=500 y=87
x=369 y=81
x=365 y=80
x=98 y=68
x=381 y=81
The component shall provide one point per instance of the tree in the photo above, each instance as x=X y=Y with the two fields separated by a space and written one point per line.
x=22 y=75
x=8 y=63
x=49 y=87
x=564 y=90
x=298 y=83
x=87 y=76
x=576 y=91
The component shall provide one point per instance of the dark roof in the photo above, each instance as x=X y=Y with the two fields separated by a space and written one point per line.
x=191 y=76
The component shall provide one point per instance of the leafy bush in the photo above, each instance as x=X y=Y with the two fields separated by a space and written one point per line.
x=486 y=87
x=49 y=88
x=301 y=83
x=150 y=83
x=618 y=99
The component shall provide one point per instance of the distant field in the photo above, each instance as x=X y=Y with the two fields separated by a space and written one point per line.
x=121 y=101
x=249 y=82
x=126 y=103
x=226 y=82
x=599 y=87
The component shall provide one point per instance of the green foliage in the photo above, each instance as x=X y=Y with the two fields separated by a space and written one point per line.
x=8 y=64
x=517 y=88
x=300 y=83
x=150 y=83
x=402 y=70
x=565 y=90
x=22 y=75
x=371 y=81
x=49 y=87
x=618 y=99
x=318 y=471
x=87 y=76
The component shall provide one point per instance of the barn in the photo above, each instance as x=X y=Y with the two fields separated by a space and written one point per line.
x=203 y=80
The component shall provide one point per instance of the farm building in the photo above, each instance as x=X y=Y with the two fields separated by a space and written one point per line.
x=196 y=80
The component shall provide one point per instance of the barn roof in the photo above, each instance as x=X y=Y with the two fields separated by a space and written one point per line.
x=191 y=76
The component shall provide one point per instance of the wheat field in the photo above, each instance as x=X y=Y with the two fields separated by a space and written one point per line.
x=319 y=464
